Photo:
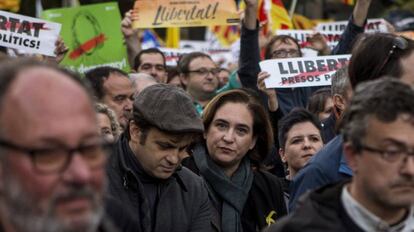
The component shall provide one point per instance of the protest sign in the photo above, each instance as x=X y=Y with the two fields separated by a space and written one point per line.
x=32 y=35
x=172 y=55
x=303 y=71
x=373 y=25
x=302 y=36
x=183 y=13
x=93 y=36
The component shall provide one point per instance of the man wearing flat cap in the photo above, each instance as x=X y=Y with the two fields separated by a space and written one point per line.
x=145 y=170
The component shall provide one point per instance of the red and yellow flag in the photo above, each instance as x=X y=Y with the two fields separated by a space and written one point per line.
x=279 y=15
x=301 y=22
x=226 y=35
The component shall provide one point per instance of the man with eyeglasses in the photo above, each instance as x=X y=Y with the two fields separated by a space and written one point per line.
x=51 y=155
x=113 y=87
x=199 y=74
x=367 y=63
x=151 y=61
x=283 y=46
x=379 y=148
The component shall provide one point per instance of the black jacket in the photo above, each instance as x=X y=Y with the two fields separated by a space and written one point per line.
x=318 y=211
x=183 y=204
x=265 y=203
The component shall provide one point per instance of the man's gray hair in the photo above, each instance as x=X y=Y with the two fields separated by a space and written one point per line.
x=385 y=99
x=340 y=82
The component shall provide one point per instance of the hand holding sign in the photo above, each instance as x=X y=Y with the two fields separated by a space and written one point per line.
x=271 y=93
x=302 y=72
x=318 y=42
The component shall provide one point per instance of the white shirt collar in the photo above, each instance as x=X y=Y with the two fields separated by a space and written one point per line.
x=370 y=222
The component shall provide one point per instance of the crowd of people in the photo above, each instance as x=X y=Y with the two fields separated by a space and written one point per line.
x=199 y=147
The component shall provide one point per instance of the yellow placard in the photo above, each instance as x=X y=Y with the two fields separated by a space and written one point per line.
x=183 y=13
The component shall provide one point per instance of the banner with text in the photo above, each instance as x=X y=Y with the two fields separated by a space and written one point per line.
x=93 y=36
x=172 y=55
x=302 y=72
x=373 y=25
x=32 y=35
x=302 y=36
x=183 y=13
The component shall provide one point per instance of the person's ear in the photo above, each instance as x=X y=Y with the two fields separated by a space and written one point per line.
x=134 y=132
x=282 y=155
x=184 y=79
x=339 y=102
x=352 y=156
x=253 y=143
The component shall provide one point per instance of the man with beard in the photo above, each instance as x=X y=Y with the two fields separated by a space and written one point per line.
x=379 y=148
x=113 y=87
x=51 y=155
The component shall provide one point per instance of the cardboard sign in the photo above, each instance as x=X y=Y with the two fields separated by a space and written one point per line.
x=183 y=13
x=372 y=26
x=302 y=72
x=302 y=36
x=29 y=34
x=93 y=36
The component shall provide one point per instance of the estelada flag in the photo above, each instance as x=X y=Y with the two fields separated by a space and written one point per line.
x=279 y=15
x=226 y=35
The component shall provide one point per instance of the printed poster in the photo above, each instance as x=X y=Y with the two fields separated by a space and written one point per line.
x=303 y=71
x=92 y=34
x=372 y=26
x=184 y=13
x=32 y=35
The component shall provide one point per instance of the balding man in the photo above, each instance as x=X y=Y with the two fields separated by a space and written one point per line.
x=141 y=81
x=51 y=155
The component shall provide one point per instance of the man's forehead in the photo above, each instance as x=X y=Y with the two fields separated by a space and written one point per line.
x=117 y=83
x=43 y=82
x=175 y=138
x=44 y=98
x=152 y=58
x=400 y=129
x=288 y=43
x=202 y=62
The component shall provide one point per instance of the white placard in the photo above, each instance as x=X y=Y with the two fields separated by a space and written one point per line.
x=32 y=35
x=372 y=26
x=303 y=71
x=302 y=36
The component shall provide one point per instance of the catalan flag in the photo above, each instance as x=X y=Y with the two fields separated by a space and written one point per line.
x=279 y=15
x=226 y=35
x=261 y=11
x=301 y=22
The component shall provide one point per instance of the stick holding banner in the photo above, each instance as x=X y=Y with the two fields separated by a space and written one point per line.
x=32 y=35
x=302 y=72
x=178 y=13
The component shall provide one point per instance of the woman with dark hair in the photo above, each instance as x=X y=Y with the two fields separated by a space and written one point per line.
x=237 y=138
x=320 y=103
